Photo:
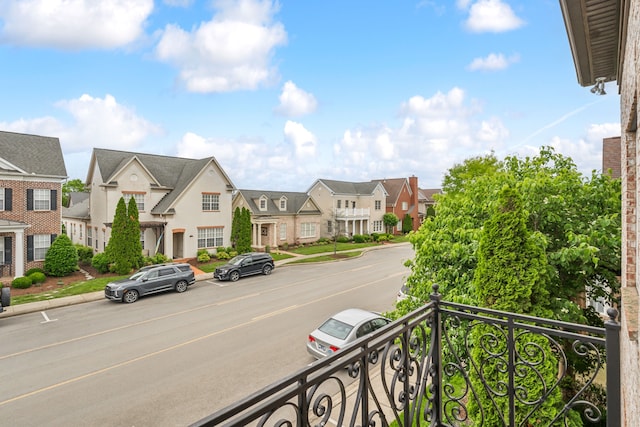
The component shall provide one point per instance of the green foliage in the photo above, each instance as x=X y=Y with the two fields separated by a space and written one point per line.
x=117 y=249
x=204 y=257
x=85 y=253
x=156 y=259
x=34 y=270
x=361 y=238
x=343 y=239
x=578 y=219
x=512 y=275
x=61 y=258
x=431 y=212
x=37 y=277
x=222 y=255
x=133 y=234
x=244 y=239
x=407 y=224
x=390 y=220
x=100 y=262
x=21 y=282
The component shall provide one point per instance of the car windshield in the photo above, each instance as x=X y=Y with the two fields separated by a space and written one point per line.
x=336 y=328
x=237 y=260
x=137 y=275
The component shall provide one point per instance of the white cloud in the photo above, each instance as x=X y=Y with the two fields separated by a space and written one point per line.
x=493 y=62
x=178 y=3
x=231 y=52
x=295 y=101
x=97 y=122
x=73 y=24
x=304 y=142
x=490 y=16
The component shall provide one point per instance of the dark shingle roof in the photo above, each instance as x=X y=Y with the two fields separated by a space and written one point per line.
x=295 y=202
x=172 y=173
x=79 y=210
x=33 y=154
x=393 y=186
x=344 y=187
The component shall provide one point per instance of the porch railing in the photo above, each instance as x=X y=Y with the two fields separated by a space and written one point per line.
x=449 y=364
x=352 y=213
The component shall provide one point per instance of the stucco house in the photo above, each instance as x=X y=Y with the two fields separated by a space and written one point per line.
x=604 y=37
x=402 y=199
x=349 y=208
x=184 y=204
x=76 y=217
x=32 y=171
x=279 y=217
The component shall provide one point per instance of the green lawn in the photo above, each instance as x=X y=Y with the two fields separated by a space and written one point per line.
x=83 y=287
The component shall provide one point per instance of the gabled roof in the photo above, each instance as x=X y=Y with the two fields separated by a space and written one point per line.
x=394 y=186
x=349 y=188
x=429 y=193
x=25 y=154
x=78 y=210
x=171 y=173
x=76 y=197
x=295 y=202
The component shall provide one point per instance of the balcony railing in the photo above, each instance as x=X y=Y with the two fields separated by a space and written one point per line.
x=352 y=213
x=449 y=364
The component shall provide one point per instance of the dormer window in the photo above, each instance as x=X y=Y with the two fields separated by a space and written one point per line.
x=283 y=203
x=263 y=203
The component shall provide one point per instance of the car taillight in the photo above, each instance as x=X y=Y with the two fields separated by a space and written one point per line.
x=311 y=339
x=333 y=348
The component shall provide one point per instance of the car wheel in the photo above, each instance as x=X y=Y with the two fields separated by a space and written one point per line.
x=267 y=269
x=130 y=296
x=181 y=286
x=6 y=297
x=234 y=276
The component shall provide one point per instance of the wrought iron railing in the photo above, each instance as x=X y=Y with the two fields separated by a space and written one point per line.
x=449 y=364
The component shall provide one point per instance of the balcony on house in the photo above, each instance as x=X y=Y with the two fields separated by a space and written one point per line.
x=448 y=364
x=352 y=213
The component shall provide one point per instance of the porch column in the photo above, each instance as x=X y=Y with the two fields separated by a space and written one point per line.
x=19 y=254
x=274 y=240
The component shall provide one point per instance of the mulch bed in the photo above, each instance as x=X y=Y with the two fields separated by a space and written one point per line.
x=53 y=283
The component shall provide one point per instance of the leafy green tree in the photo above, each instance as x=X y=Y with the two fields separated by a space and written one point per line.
x=61 y=258
x=390 y=220
x=578 y=216
x=69 y=187
x=118 y=248
x=133 y=234
x=407 y=224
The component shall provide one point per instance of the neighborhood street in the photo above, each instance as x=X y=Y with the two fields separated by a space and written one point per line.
x=171 y=359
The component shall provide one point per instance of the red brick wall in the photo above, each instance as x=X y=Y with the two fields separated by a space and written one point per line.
x=611 y=156
x=41 y=222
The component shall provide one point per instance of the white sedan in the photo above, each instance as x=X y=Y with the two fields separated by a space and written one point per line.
x=342 y=329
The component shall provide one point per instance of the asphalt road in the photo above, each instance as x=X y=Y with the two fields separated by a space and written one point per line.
x=171 y=359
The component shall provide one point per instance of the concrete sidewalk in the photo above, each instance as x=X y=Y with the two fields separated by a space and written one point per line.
x=34 y=307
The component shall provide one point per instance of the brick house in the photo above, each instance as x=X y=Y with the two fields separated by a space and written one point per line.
x=280 y=217
x=605 y=40
x=402 y=199
x=184 y=204
x=32 y=171
x=611 y=156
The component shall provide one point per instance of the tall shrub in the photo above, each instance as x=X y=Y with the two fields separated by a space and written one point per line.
x=117 y=249
x=61 y=258
x=407 y=224
x=133 y=234
x=512 y=275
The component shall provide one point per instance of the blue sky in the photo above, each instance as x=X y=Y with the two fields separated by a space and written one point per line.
x=284 y=93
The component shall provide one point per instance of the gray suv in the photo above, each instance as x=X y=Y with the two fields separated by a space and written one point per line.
x=245 y=265
x=150 y=280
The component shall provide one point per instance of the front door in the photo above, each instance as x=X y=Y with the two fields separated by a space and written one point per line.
x=178 y=245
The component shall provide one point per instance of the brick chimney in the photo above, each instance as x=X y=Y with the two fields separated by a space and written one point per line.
x=415 y=213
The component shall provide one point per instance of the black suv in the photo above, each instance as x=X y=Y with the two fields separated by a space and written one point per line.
x=245 y=265
x=149 y=280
